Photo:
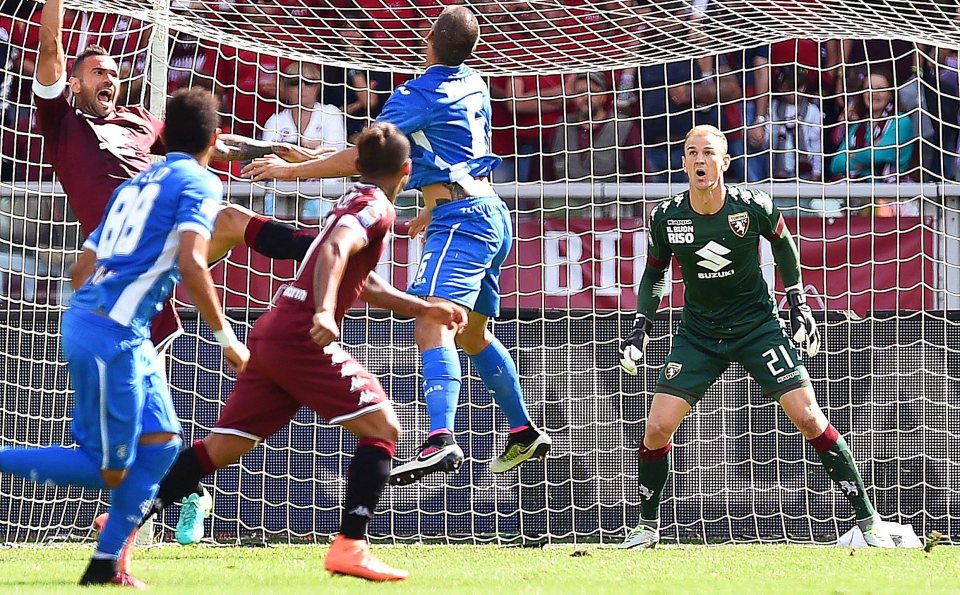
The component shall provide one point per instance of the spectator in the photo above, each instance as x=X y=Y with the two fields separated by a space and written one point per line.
x=878 y=143
x=364 y=90
x=588 y=146
x=796 y=128
x=942 y=100
x=673 y=98
x=307 y=122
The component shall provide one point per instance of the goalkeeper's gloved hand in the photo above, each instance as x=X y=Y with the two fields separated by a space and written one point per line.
x=631 y=350
x=803 y=328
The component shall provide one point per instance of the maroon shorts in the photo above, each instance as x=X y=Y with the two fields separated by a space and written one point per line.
x=165 y=326
x=286 y=373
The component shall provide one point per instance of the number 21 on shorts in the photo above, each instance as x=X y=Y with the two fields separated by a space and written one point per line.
x=774 y=360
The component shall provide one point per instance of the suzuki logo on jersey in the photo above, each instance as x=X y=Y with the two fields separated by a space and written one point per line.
x=739 y=223
x=713 y=260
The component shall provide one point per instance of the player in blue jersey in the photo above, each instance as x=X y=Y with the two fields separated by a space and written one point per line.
x=446 y=115
x=156 y=228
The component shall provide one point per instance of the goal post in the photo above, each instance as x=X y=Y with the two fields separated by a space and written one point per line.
x=590 y=99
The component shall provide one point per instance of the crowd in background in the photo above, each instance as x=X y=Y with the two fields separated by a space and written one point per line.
x=872 y=111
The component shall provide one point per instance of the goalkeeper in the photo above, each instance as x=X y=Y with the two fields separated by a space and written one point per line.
x=714 y=231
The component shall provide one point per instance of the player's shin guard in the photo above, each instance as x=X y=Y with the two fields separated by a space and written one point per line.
x=441 y=386
x=498 y=372
x=54 y=464
x=366 y=478
x=652 y=477
x=840 y=467
x=192 y=465
x=130 y=499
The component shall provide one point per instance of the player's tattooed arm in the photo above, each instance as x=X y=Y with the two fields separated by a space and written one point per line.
x=52 y=61
x=233 y=147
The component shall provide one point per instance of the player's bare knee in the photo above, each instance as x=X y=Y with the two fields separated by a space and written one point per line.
x=225 y=449
x=429 y=334
x=475 y=341
x=657 y=433
x=112 y=478
x=232 y=222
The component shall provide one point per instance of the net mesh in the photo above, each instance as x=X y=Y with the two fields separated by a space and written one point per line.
x=590 y=103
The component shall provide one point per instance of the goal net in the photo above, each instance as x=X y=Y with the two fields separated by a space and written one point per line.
x=853 y=132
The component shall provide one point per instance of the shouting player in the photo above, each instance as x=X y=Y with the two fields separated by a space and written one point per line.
x=446 y=115
x=156 y=228
x=94 y=146
x=296 y=362
x=714 y=232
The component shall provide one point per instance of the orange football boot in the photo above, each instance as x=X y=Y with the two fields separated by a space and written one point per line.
x=352 y=557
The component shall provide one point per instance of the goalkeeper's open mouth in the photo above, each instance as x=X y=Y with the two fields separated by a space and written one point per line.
x=700 y=172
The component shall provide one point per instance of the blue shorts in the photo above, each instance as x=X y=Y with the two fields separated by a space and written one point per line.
x=467 y=241
x=120 y=390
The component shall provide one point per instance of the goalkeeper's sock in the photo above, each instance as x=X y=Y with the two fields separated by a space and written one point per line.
x=53 y=464
x=368 y=473
x=192 y=465
x=138 y=487
x=441 y=386
x=652 y=477
x=498 y=372
x=840 y=467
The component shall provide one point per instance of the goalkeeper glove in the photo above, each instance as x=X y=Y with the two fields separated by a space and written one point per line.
x=803 y=328
x=631 y=350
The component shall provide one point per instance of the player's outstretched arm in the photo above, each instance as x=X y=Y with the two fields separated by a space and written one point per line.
x=52 y=62
x=332 y=256
x=192 y=263
x=380 y=294
x=341 y=164
x=234 y=147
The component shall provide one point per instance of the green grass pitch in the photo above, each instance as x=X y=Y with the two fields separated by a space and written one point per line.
x=741 y=569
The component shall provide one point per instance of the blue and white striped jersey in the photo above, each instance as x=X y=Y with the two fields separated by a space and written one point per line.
x=446 y=115
x=138 y=241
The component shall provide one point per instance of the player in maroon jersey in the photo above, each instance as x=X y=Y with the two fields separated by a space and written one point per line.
x=94 y=145
x=296 y=362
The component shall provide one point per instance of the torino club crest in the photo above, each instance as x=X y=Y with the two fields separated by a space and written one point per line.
x=739 y=223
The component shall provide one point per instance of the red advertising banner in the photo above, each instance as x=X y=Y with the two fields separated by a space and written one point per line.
x=858 y=263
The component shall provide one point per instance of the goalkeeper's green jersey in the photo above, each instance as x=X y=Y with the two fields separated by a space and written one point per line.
x=725 y=295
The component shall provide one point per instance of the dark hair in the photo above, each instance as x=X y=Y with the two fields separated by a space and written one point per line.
x=383 y=149
x=92 y=50
x=454 y=35
x=191 y=120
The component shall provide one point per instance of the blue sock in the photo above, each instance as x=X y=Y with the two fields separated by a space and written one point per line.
x=134 y=495
x=497 y=370
x=441 y=386
x=53 y=464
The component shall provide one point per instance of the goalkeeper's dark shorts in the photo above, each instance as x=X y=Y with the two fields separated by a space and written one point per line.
x=695 y=362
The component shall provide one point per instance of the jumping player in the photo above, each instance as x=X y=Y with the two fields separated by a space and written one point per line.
x=295 y=361
x=714 y=231
x=446 y=115
x=156 y=227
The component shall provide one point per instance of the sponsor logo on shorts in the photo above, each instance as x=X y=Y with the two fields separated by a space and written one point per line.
x=295 y=293
x=739 y=223
x=785 y=377
x=672 y=370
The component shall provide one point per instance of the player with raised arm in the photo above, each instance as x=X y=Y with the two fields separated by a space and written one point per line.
x=94 y=146
x=296 y=362
x=446 y=115
x=156 y=229
x=714 y=231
